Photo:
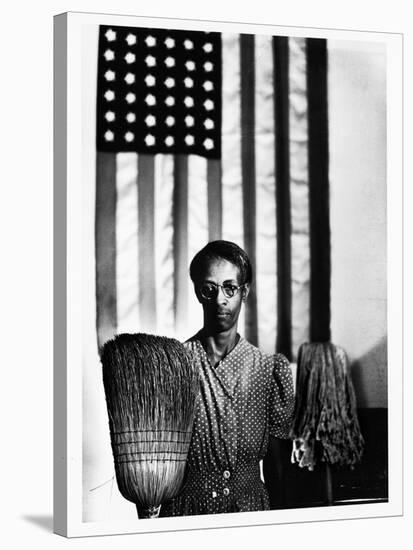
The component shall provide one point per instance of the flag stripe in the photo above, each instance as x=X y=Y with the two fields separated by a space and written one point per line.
x=198 y=228
x=282 y=192
x=146 y=228
x=164 y=260
x=180 y=224
x=300 y=238
x=105 y=237
x=247 y=58
x=214 y=200
x=319 y=189
x=232 y=229
x=232 y=210
x=127 y=247
x=266 y=250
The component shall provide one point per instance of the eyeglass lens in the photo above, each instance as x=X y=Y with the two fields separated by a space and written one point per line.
x=210 y=290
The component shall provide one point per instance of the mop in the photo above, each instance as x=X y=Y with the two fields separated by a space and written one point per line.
x=325 y=427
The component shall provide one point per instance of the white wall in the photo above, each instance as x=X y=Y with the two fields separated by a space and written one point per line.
x=357 y=120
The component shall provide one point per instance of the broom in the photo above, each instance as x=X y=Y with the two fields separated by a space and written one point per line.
x=325 y=426
x=151 y=386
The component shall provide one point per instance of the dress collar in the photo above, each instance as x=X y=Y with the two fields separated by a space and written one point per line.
x=198 y=340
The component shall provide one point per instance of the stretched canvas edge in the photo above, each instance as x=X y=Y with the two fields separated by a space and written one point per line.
x=60 y=390
x=67 y=287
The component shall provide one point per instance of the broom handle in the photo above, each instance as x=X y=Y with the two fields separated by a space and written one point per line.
x=148 y=513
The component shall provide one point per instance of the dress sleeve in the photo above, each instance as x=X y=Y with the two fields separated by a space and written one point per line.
x=281 y=400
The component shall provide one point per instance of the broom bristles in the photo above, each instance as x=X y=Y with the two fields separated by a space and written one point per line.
x=151 y=385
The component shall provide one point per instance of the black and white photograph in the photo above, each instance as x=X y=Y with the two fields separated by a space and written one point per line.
x=233 y=337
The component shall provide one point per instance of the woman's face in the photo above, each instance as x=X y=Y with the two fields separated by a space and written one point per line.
x=221 y=313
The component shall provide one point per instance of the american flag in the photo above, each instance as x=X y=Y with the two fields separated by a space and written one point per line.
x=202 y=136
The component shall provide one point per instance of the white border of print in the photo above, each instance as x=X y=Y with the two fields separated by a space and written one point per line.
x=68 y=363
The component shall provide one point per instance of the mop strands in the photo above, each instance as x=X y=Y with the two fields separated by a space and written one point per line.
x=325 y=424
x=151 y=386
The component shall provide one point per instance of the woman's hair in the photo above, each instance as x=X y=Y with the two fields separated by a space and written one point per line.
x=221 y=250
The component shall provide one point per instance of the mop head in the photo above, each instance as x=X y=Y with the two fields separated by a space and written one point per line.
x=151 y=386
x=325 y=424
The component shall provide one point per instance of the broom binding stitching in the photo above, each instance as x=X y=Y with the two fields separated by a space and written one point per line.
x=160 y=430
x=152 y=452
x=151 y=460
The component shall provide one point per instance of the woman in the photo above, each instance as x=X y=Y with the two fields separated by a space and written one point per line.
x=246 y=397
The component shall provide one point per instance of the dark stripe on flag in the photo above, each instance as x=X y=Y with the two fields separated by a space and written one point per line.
x=282 y=192
x=180 y=239
x=105 y=251
x=146 y=241
x=319 y=190
x=247 y=60
x=214 y=172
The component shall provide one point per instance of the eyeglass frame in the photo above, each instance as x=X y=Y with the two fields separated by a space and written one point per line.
x=218 y=286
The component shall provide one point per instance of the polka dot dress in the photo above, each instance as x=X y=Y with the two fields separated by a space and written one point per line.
x=244 y=399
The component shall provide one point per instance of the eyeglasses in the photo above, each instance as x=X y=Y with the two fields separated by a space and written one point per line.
x=208 y=291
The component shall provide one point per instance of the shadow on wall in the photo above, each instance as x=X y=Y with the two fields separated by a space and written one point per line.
x=369 y=376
